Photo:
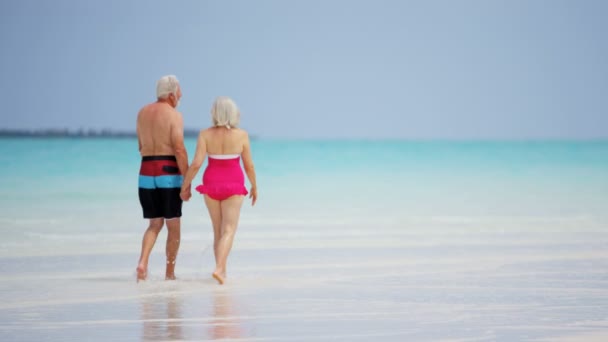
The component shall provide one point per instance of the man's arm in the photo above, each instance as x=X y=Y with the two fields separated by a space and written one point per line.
x=137 y=131
x=197 y=161
x=177 y=140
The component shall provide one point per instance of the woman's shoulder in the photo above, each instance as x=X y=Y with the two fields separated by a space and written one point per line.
x=208 y=130
x=240 y=131
x=211 y=131
x=243 y=135
x=204 y=133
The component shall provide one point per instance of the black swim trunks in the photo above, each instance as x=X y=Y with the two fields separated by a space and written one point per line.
x=159 y=186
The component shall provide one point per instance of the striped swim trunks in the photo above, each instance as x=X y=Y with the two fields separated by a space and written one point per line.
x=159 y=186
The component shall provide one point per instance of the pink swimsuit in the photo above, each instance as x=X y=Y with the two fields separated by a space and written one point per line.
x=223 y=177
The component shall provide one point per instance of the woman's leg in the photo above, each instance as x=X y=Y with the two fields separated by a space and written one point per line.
x=231 y=210
x=215 y=212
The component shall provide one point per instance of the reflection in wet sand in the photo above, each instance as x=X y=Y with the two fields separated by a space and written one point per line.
x=225 y=322
x=161 y=316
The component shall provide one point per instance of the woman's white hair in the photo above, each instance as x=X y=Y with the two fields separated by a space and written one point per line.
x=166 y=85
x=224 y=112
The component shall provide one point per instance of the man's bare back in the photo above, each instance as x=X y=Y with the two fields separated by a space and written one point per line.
x=160 y=131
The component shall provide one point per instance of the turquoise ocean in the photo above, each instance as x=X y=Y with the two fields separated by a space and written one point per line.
x=420 y=216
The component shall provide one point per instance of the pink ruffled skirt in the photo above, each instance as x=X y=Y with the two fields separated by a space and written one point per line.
x=223 y=178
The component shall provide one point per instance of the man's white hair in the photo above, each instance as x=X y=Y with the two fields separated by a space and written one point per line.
x=224 y=112
x=166 y=85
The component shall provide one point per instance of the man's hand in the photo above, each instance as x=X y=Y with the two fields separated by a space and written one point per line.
x=185 y=194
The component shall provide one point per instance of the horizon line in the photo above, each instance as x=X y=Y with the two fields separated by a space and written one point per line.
x=92 y=133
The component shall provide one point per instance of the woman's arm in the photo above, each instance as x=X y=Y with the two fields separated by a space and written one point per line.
x=249 y=169
x=197 y=162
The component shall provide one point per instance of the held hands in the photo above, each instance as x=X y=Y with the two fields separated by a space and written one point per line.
x=185 y=194
x=253 y=194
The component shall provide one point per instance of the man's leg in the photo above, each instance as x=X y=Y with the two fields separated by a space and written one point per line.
x=146 y=246
x=173 y=237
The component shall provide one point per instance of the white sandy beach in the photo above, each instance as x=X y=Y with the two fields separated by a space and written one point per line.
x=346 y=283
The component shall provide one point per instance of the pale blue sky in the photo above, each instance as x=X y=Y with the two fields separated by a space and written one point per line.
x=314 y=69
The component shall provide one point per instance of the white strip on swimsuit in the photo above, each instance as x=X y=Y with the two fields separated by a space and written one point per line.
x=224 y=156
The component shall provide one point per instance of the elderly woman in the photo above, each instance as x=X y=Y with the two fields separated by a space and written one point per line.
x=223 y=180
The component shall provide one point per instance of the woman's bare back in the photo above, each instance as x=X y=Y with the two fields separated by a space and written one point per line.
x=221 y=140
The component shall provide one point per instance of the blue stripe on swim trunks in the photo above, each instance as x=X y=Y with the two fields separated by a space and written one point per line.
x=161 y=182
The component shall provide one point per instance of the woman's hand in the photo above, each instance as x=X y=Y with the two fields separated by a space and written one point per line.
x=253 y=194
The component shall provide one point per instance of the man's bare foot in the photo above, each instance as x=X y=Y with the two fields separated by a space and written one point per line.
x=142 y=273
x=170 y=270
x=220 y=277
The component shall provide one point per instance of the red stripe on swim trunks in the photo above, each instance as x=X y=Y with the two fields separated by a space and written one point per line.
x=155 y=167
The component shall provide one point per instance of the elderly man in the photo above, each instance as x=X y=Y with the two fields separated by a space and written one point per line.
x=160 y=131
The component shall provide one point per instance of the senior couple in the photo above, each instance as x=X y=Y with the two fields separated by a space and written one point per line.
x=165 y=178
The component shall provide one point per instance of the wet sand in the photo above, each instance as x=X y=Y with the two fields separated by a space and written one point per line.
x=322 y=283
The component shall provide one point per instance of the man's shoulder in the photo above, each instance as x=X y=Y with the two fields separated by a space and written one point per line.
x=150 y=105
x=147 y=108
x=158 y=106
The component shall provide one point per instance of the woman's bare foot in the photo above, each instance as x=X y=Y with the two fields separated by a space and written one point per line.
x=142 y=273
x=219 y=276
